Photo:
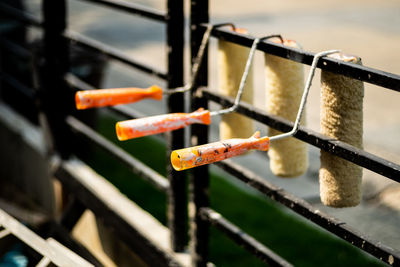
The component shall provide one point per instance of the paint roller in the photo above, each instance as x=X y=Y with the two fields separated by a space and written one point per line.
x=231 y=64
x=191 y=157
x=342 y=119
x=168 y=122
x=116 y=96
x=284 y=86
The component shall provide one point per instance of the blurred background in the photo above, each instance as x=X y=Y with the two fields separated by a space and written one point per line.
x=369 y=29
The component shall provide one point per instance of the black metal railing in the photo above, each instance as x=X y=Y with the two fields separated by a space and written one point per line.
x=174 y=185
x=358 y=156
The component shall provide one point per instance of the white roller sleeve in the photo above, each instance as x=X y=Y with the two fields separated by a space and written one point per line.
x=342 y=119
x=231 y=64
x=284 y=87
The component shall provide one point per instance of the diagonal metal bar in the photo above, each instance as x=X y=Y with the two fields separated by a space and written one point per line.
x=4 y=233
x=15 y=48
x=135 y=165
x=111 y=207
x=111 y=52
x=36 y=242
x=241 y=238
x=20 y=15
x=303 y=208
x=15 y=83
x=359 y=72
x=132 y=8
x=358 y=156
x=43 y=262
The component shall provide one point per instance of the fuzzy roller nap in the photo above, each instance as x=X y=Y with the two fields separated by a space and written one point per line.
x=284 y=88
x=342 y=119
x=232 y=61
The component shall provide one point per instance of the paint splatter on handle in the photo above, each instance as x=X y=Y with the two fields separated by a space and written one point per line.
x=191 y=157
x=160 y=124
x=115 y=96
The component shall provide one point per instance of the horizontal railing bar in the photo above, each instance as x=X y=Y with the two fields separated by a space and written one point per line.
x=103 y=207
x=359 y=72
x=4 y=233
x=64 y=236
x=25 y=90
x=135 y=165
x=37 y=243
x=20 y=15
x=241 y=238
x=111 y=52
x=132 y=8
x=15 y=48
x=77 y=83
x=126 y=112
x=306 y=210
x=358 y=156
x=121 y=110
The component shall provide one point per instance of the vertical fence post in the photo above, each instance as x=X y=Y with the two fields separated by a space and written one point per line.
x=199 y=179
x=177 y=194
x=55 y=96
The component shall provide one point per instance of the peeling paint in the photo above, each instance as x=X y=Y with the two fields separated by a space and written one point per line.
x=206 y=154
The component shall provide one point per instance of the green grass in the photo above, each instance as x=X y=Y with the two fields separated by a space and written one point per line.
x=299 y=242
x=148 y=150
x=290 y=236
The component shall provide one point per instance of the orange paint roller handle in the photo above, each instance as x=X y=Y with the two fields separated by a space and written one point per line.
x=115 y=96
x=187 y=158
x=160 y=123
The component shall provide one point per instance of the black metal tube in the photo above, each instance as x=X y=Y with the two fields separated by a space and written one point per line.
x=111 y=52
x=133 y=164
x=358 y=156
x=177 y=195
x=132 y=8
x=25 y=90
x=55 y=97
x=306 y=210
x=134 y=238
x=64 y=236
x=15 y=48
x=56 y=65
x=242 y=239
x=359 y=72
x=19 y=15
x=199 y=178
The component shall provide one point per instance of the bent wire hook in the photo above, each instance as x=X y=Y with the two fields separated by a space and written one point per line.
x=187 y=158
